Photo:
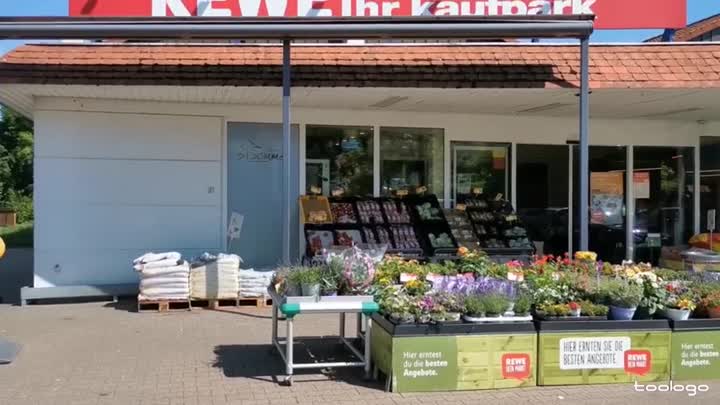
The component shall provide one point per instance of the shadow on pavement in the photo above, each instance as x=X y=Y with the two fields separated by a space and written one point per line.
x=263 y=362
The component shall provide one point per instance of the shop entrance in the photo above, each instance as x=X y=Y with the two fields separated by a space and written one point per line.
x=255 y=190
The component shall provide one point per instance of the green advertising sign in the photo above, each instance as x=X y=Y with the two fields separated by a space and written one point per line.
x=696 y=355
x=425 y=364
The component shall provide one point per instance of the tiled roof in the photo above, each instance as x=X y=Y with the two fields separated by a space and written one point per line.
x=693 y=30
x=442 y=66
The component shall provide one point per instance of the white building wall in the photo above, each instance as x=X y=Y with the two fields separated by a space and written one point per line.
x=117 y=178
x=110 y=186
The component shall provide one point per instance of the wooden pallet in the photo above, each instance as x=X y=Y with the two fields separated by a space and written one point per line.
x=257 y=302
x=214 y=304
x=164 y=305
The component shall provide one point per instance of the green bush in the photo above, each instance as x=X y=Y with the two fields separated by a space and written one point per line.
x=495 y=304
x=474 y=306
x=22 y=205
x=623 y=294
x=522 y=304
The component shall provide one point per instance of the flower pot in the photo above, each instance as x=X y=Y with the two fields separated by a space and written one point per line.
x=642 y=313
x=491 y=315
x=311 y=290
x=424 y=318
x=621 y=314
x=293 y=290
x=437 y=317
x=510 y=308
x=676 y=314
x=713 y=312
x=475 y=318
x=575 y=313
x=452 y=317
x=402 y=318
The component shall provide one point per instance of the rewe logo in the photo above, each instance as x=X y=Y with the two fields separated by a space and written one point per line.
x=219 y=8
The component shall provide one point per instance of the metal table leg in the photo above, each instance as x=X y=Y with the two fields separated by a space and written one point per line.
x=289 y=350
x=274 y=322
x=368 y=326
x=342 y=325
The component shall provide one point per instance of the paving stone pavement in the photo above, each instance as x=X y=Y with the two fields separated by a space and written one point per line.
x=102 y=354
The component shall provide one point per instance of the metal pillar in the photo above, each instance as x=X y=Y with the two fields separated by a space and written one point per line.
x=584 y=143
x=287 y=133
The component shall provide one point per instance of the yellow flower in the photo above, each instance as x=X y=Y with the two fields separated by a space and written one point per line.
x=589 y=256
x=685 y=304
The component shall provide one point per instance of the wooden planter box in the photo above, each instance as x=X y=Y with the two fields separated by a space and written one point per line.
x=603 y=352
x=695 y=349
x=454 y=356
x=8 y=217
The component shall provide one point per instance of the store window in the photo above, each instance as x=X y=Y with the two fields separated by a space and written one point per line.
x=480 y=168
x=411 y=158
x=608 y=166
x=542 y=195
x=339 y=158
x=709 y=178
x=662 y=184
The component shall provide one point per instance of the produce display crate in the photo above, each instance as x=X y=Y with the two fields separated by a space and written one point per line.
x=695 y=349
x=315 y=210
x=454 y=356
x=603 y=352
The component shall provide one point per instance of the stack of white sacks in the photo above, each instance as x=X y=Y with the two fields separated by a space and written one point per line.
x=215 y=277
x=254 y=284
x=163 y=276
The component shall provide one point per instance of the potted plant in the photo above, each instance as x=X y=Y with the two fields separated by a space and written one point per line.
x=474 y=308
x=553 y=311
x=310 y=281
x=654 y=295
x=452 y=304
x=522 y=305
x=624 y=297
x=575 y=309
x=712 y=304
x=293 y=281
x=680 y=302
x=593 y=311
x=494 y=304
x=330 y=277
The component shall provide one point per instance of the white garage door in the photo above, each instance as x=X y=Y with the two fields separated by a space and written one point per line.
x=109 y=187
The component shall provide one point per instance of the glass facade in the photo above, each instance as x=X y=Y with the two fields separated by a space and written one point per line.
x=709 y=178
x=411 y=158
x=480 y=169
x=339 y=158
x=542 y=195
x=608 y=165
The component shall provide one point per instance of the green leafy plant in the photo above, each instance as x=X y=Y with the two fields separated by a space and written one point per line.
x=331 y=276
x=523 y=303
x=588 y=308
x=494 y=304
x=554 y=310
x=623 y=294
x=672 y=275
x=474 y=307
x=304 y=275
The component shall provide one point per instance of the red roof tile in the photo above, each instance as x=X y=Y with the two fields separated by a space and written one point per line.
x=448 y=66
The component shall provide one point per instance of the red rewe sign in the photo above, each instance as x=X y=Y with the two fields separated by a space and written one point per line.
x=638 y=362
x=611 y=14
x=515 y=365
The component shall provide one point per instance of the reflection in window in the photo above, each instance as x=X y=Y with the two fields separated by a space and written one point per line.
x=542 y=199
x=709 y=178
x=411 y=158
x=662 y=184
x=339 y=157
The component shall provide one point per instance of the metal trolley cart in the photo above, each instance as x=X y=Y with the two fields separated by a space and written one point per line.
x=363 y=306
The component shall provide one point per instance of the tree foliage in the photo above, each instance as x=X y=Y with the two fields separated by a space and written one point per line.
x=16 y=162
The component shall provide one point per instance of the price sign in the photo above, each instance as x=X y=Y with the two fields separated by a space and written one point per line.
x=711 y=220
x=338 y=192
x=315 y=190
x=498 y=197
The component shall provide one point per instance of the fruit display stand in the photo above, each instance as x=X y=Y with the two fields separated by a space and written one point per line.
x=453 y=356
x=577 y=352
x=695 y=349
x=341 y=305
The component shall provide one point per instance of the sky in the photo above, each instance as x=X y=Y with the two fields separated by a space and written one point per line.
x=697 y=10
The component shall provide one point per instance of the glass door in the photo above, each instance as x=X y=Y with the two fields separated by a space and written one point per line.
x=480 y=168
